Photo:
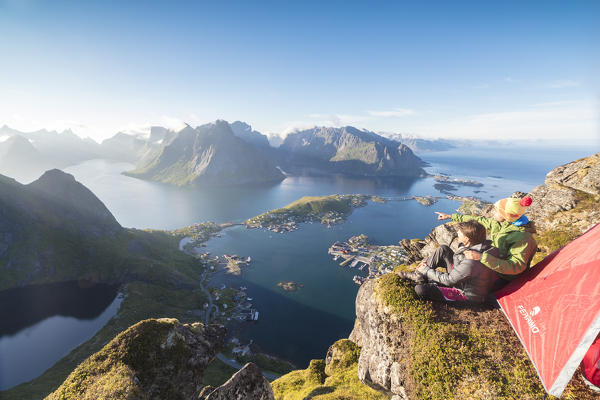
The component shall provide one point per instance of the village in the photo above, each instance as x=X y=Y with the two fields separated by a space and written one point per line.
x=358 y=253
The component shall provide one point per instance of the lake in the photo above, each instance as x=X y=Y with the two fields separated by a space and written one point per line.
x=295 y=325
x=41 y=324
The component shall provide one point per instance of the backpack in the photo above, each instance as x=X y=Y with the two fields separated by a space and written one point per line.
x=591 y=363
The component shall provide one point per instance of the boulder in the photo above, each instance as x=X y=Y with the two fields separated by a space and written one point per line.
x=582 y=174
x=247 y=383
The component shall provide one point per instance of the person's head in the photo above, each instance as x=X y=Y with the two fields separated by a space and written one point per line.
x=470 y=233
x=510 y=209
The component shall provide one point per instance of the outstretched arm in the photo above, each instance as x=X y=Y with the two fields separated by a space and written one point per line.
x=488 y=223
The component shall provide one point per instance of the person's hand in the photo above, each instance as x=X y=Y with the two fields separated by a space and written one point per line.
x=472 y=255
x=442 y=216
x=422 y=267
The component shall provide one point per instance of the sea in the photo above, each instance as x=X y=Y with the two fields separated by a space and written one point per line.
x=296 y=326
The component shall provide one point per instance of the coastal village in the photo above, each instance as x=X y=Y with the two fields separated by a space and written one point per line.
x=327 y=210
x=375 y=261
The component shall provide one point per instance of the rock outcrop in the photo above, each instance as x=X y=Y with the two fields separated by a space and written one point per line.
x=247 y=383
x=417 y=350
x=153 y=359
x=569 y=198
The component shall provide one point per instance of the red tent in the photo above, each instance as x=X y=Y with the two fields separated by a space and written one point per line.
x=555 y=309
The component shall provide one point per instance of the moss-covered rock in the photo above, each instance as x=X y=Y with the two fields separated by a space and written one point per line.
x=153 y=359
x=333 y=378
x=420 y=350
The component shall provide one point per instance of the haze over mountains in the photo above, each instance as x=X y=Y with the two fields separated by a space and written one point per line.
x=219 y=153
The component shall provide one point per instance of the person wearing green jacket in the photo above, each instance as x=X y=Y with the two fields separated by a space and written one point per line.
x=516 y=246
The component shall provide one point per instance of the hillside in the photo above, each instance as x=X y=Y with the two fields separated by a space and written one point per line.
x=55 y=229
x=350 y=151
x=207 y=155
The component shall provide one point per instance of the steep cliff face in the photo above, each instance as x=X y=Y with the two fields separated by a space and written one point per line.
x=153 y=359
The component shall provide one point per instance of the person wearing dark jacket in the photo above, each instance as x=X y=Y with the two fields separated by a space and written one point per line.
x=465 y=279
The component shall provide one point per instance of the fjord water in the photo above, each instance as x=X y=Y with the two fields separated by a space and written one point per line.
x=41 y=324
x=301 y=325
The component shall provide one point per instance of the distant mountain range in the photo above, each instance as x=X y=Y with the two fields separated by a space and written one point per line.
x=220 y=153
x=419 y=145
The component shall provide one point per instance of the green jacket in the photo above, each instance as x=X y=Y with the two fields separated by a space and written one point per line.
x=516 y=246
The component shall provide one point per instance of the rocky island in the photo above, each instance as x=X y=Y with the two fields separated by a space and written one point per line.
x=290 y=286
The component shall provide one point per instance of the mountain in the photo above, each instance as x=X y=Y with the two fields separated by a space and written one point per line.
x=210 y=154
x=19 y=159
x=244 y=131
x=56 y=230
x=419 y=145
x=351 y=151
x=44 y=150
x=64 y=148
x=124 y=147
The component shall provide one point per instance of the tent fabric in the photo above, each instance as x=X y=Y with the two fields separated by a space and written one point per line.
x=555 y=309
x=591 y=363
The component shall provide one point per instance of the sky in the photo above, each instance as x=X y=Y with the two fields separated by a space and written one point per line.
x=505 y=70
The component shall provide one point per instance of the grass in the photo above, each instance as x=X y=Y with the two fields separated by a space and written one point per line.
x=217 y=373
x=338 y=380
x=456 y=360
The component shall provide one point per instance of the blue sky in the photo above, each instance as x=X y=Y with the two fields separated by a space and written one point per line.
x=488 y=70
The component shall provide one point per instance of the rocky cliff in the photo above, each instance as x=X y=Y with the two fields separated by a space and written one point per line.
x=207 y=155
x=350 y=151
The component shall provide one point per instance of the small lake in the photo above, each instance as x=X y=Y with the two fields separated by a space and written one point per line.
x=41 y=324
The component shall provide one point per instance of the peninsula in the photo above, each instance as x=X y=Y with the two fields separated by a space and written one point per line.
x=328 y=210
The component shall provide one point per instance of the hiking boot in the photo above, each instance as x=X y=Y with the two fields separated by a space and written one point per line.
x=414 y=276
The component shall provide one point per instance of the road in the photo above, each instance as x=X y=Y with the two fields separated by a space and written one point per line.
x=220 y=356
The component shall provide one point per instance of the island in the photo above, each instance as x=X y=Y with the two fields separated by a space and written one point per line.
x=426 y=200
x=328 y=210
x=290 y=286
